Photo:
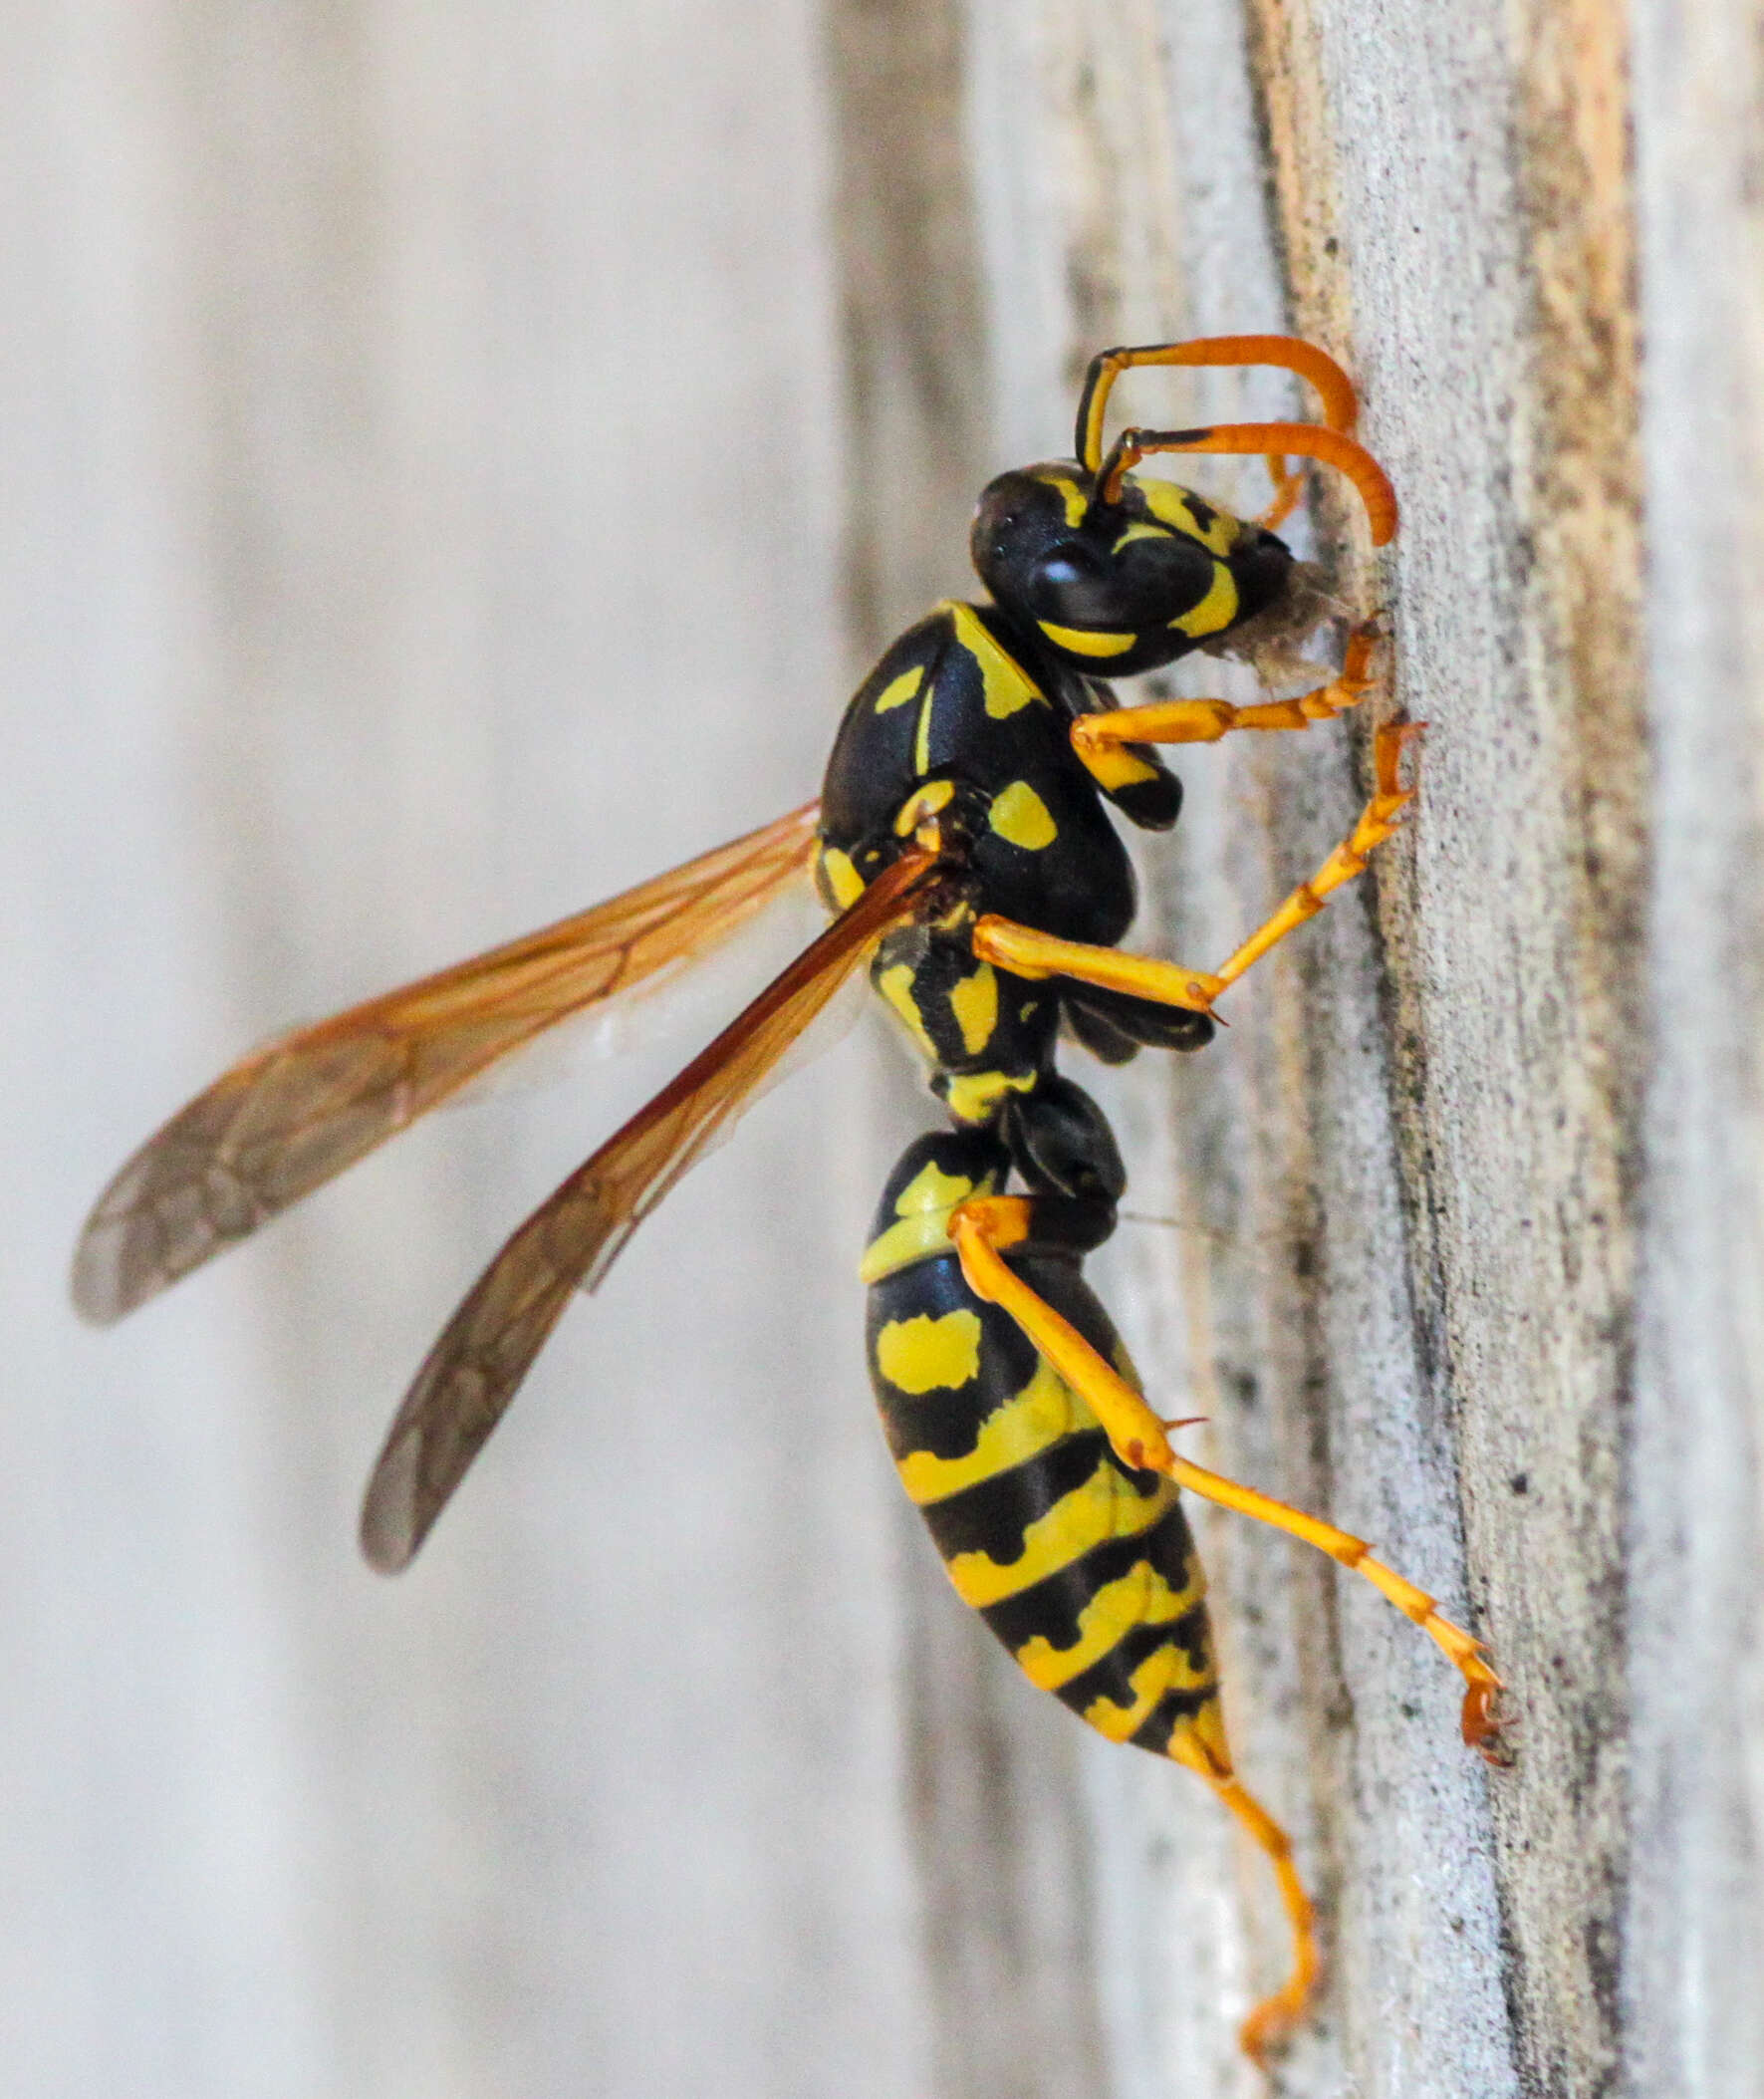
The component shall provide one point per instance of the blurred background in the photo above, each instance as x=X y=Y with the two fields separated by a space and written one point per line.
x=423 y=517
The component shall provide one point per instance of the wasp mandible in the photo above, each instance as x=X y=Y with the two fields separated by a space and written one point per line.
x=963 y=844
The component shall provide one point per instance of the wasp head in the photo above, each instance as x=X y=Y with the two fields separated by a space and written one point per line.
x=1120 y=586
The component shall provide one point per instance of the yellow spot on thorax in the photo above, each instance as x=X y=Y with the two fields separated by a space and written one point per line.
x=844 y=883
x=1006 y=686
x=931 y=1188
x=898 y=690
x=974 y=1002
x=923 y=1354
x=926 y=801
x=972 y=1097
x=1104 y=1507
x=1021 y=818
x=1216 y=610
x=895 y=985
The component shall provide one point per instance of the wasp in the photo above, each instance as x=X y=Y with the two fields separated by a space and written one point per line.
x=964 y=847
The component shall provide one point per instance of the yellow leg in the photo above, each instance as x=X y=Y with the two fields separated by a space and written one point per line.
x=1202 y=1748
x=980 y=1228
x=1207 y=721
x=1026 y=952
x=1376 y=823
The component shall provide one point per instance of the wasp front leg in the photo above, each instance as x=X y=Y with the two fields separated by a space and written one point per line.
x=1099 y=738
x=1035 y=956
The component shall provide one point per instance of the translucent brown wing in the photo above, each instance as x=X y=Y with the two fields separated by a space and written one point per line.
x=572 y=1238
x=291 y=1115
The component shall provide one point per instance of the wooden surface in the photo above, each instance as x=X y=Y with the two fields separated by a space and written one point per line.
x=1470 y=1190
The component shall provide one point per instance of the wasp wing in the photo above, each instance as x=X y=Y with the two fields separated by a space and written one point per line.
x=285 y=1119
x=572 y=1238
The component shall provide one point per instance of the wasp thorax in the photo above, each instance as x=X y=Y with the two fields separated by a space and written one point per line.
x=1120 y=586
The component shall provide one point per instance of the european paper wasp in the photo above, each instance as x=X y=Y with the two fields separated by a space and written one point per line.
x=962 y=844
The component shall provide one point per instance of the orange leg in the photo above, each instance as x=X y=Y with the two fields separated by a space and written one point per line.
x=1204 y=1753
x=980 y=1229
x=1026 y=952
x=1288 y=487
x=1207 y=721
x=1311 y=440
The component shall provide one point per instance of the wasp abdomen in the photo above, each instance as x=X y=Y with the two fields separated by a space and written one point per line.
x=1083 y=1568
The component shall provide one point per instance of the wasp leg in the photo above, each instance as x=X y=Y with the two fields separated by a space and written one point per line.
x=1029 y=954
x=1288 y=487
x=982 y=1229
x=1378 y=822
x=1207 y=721
x=1309 y=439
x=1201 y=1745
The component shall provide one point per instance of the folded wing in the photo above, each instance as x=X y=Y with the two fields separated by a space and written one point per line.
x=285 y=1119
x=572 y=1238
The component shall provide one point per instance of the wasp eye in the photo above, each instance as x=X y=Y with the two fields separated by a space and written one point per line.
x=1070 y=565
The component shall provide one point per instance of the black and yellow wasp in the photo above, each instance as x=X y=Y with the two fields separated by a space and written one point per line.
x=962 y=842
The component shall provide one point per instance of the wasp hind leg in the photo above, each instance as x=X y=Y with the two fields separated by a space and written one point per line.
x=983 y=1230
x=1199 y=1743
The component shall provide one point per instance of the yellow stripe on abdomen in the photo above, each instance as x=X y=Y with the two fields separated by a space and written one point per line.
x=1042 y=1414
x=1142 y=1596
x=1107 y=1505
x=1166 y=1670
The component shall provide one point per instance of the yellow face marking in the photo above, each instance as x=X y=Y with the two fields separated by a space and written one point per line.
x=1138 y=529
x=1141 y=1596
x=1082 y=641
x=1071 y=494
x=925 y=1355
x=1021 y=818
x=1008 y=688
x=898 y=690
x=1106 y=1506
x=844 y=883
x=895 y=985
x=974 y=1002
x=972 y=1097
x=1045 y=1410
x=1158 y=1675
x=1216 y=610
x=1170 y=505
